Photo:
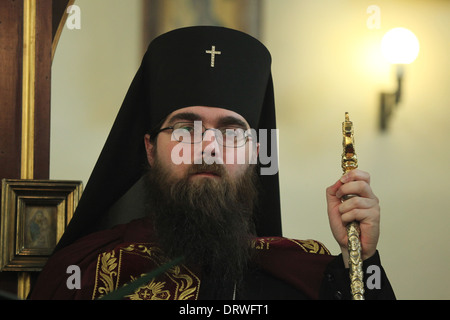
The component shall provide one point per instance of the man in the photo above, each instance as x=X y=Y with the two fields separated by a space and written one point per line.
x=202 y=101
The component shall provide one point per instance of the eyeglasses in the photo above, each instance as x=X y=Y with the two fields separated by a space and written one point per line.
x=188 y=132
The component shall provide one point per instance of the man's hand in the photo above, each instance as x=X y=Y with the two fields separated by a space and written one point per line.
x=364 y=208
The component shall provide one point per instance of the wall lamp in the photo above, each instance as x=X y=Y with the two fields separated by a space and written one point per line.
x=400 y=47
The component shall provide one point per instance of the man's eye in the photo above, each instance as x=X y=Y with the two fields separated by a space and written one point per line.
x=233 y=132
x=185 y=126
x=188 y=128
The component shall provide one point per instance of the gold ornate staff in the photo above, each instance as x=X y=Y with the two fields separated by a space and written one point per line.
x=350 y=162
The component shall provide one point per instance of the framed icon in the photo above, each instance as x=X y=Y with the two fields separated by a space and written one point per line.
x=34 y=215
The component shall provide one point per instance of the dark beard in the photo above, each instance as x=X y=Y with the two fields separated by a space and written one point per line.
x=207 y=221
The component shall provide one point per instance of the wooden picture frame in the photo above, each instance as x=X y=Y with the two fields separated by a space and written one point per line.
x=34 y=215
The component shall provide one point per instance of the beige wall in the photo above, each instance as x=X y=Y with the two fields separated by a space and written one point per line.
x=91 y=72
x=326 y=61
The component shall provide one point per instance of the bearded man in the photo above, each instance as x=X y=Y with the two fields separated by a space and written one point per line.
x=201 y=190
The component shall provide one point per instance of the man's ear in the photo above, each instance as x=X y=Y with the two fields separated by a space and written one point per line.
x=150 y=149
x=254 y=154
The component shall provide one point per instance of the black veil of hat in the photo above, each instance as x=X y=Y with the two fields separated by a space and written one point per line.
x=176 y=72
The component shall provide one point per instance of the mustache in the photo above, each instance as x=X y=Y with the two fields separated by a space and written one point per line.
x=214 y=168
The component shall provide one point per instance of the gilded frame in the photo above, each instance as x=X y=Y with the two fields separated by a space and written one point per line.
x=34 y=215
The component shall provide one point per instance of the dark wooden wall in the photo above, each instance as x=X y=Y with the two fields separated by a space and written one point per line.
x=11 y=29
x=49 y=14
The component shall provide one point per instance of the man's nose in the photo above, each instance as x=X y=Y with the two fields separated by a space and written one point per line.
x=209 y=150
x=209 y=142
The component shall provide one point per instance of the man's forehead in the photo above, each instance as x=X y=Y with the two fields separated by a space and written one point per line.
x=205 y=114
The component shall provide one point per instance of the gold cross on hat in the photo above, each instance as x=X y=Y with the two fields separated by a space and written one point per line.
x=213 y=53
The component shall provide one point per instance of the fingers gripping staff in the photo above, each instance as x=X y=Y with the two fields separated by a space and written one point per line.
x=350 y=162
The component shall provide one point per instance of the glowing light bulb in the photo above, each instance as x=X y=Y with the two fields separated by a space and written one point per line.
x=400 y=46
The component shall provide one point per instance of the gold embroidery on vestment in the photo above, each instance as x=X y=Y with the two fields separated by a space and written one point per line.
x=180 y=284
x=107 y=273
x=186 y=289
x=311 y=246
x=152 y=291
